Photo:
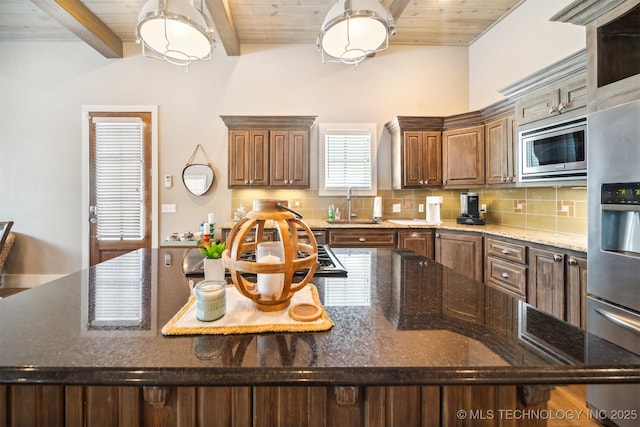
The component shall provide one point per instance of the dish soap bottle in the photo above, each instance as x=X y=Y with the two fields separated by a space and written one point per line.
x=239 y=213
x=331 y=213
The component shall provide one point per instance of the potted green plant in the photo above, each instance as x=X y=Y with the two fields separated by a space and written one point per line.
x=213 y=266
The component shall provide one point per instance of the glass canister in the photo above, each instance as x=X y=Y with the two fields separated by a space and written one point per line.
x=211 y=301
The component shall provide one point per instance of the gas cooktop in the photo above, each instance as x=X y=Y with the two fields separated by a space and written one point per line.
x=328 y=263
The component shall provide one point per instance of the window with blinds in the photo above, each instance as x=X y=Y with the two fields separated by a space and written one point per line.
x=347 y=158
x=354 y=290
x=119 y=171
x=116 y=293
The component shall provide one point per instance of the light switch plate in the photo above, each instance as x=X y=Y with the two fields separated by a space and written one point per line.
x=169 y=208
x=421 y=207
x=397 y=208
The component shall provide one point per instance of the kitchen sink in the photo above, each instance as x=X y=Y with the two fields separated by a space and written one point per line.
x=414 y=222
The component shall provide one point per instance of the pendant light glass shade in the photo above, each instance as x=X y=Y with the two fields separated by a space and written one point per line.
x=355 y=29
x=175 y=31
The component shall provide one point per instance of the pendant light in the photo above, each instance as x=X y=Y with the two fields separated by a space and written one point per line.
x=354 y=30
x=174 y=31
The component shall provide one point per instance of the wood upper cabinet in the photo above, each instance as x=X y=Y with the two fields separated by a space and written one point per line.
x=560 y=98
x=289 y=159
x=421 y=159
x=248 y=158
x=500 y=150
x=463 y=156
x=461 y=252
x=269 y=151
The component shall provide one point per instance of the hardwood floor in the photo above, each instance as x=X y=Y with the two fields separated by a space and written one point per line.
x=569 y=402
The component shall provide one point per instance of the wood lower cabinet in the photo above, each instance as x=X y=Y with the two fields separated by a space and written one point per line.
x=506 y=267
x=461 y=252
x=362 y=237
x=405 y=406
x=546 y=281
x=576 y=289
x=463 y=156
x=420 y=242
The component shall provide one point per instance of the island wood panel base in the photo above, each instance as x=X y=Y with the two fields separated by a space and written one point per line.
x=406 y=406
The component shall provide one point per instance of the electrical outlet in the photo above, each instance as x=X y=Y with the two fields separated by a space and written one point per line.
x=169 y=208
x=420 y=207
x=397 y=208
x=483 y=208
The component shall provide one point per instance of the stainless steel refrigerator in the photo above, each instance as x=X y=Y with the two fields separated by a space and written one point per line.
x=613 y=255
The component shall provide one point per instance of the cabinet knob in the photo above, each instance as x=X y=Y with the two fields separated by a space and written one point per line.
x=553 y=110
x=362 y=239
x=421 y=182
x=444 y=182
x=250 y=182
x=437 y=235
x=246 y=182
x=572 y=261
x=561 y=107
x=414 y=235
x=557 y=258
x=426 y=182
x=504 y=275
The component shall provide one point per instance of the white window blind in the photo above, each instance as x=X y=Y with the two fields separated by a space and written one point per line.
x=117 y=292
x=348 y=161
x=354 y=290
x=119 y=168
x=347 y=158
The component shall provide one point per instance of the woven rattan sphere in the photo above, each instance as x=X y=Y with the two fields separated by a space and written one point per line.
x=297 y=256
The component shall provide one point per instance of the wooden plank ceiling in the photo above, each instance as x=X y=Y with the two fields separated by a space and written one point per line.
x=106 y=24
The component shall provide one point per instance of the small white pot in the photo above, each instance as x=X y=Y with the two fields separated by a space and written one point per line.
x=213 y=269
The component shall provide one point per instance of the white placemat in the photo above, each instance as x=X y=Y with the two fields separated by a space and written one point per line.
x=243 y=318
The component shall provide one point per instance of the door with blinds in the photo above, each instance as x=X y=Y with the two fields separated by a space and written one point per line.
x=119 y=184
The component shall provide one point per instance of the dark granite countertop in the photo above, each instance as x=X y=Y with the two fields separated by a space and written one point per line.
x=399 y=319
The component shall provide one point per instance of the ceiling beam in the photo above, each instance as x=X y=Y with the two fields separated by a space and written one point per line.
x=78 y=19
x=396 y=7
x=222 y=19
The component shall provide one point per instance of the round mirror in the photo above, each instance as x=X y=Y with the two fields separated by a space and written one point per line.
x=198 y=178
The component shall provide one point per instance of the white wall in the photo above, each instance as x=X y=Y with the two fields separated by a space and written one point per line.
x=519 y=45
x=43 y=87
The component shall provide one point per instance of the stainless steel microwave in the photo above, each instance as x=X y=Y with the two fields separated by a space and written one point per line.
x=554 y=152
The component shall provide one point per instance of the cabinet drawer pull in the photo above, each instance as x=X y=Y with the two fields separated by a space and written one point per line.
x=504 y=275
x=362 y=239
x=504 y=251
x=414 y=235
x=557 y=258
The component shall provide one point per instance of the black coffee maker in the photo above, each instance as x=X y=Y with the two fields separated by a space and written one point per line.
x=470 y=209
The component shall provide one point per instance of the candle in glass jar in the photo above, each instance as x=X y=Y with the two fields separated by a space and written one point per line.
x=211 y=301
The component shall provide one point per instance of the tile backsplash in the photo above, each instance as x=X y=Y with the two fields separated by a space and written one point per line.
x=556 y=209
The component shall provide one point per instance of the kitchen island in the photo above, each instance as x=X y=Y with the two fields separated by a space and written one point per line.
x=413 y=343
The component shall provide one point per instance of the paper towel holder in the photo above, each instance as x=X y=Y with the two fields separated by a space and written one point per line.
x=377 y=209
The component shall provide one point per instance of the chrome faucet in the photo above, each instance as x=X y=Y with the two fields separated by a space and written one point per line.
x=349 y=197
